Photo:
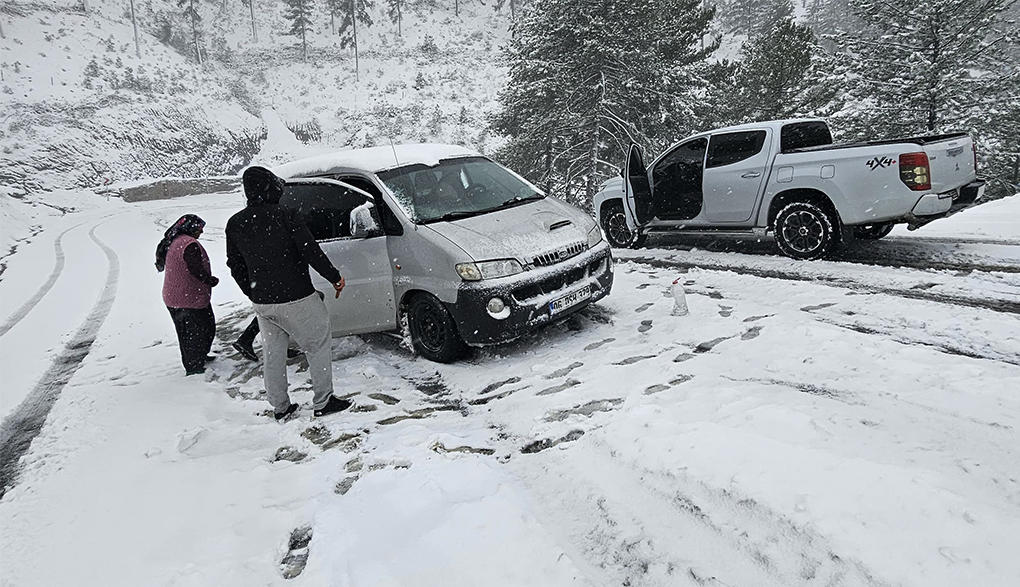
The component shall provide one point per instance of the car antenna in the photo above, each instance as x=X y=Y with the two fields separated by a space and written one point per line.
x=395 y=160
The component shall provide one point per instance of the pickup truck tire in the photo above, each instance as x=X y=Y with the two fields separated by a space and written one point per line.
x=873 y=232
x=433 y=331
x=805 y=231
x=614 y=223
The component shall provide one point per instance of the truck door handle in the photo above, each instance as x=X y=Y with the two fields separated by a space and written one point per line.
x=750 y=174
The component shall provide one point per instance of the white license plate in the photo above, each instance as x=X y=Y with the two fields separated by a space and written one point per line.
x=571 y=299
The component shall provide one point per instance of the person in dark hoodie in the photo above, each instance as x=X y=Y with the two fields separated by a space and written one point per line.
x=269 y=250
x=187 y=290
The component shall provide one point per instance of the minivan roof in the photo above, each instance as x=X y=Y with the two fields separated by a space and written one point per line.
x=372 y=159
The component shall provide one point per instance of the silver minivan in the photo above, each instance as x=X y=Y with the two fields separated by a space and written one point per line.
x=443 y=244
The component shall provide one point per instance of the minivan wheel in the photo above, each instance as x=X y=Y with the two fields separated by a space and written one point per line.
x=614 y=224
x=873 y=232
x=804 y=231
x=433 y=331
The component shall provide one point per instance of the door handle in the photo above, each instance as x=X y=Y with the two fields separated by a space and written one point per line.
x=750 y=174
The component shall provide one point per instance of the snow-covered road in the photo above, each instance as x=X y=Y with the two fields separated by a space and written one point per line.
x=848 y=422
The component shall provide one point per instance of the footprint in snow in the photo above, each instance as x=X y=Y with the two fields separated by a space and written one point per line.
x=558 y=388
x=725 y=311
x=646 y=325
x=707 y=346
x=545 y=443
x=644 y=285
x=644 y=307
x=632 y=360
x=756 y=318
x=596 y=345
x=294 y=561
x=386 y=399
x=751 y=333
x=683 y=357
x=818 y=307
x=494 y=386
x=561 y=372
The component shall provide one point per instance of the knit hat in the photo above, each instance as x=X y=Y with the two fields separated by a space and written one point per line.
x=262 y=186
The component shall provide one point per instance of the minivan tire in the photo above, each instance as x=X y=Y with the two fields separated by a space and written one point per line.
x=433 y=331
x=805 y=231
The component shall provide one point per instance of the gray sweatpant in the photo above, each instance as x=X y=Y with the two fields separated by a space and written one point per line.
x=306 y=321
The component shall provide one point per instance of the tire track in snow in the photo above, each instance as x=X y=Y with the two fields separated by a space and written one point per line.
x=23 y=424
x=994 y=304
x=31 y=303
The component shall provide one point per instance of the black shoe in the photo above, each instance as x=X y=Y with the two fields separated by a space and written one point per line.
x=198 y=371
x=245 y=351
x=293 y=353
x=290 y=410
x=333 y=406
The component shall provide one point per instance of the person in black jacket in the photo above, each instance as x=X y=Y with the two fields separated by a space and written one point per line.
x=269 y=250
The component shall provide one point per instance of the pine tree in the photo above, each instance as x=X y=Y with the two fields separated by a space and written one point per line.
x=589 y=78
x=932 y=66
x=299 y=13
x=191 y=12
x=250 y=4
x=351 y=13
x=783 y=73
x=753 y=17
x=394 y=11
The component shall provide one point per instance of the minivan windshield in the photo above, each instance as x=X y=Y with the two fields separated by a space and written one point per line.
x=456 y=188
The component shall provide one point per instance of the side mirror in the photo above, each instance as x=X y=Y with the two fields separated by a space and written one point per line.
x=363 y=223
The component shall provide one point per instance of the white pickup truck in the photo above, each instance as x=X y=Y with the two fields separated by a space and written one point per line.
x=789 y=178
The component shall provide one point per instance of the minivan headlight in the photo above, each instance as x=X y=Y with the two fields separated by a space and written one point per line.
x=488 y=269
x=594 y=237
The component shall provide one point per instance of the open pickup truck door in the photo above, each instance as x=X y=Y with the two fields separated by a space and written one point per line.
x=637 y=190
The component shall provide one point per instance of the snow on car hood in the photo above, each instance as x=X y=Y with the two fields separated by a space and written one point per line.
x=522 y=232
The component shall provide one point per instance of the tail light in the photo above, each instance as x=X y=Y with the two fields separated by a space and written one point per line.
x=914 y=171
x=973 y=147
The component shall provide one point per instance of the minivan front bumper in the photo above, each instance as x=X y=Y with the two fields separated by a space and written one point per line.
x=529 y=297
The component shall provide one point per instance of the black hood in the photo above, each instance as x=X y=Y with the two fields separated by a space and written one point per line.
x=262 y=186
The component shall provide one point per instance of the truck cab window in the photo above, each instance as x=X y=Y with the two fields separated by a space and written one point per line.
x=728 y=148
x=800 y=135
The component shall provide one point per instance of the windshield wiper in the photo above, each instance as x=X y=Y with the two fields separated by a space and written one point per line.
x=453 y=216
x=517 y=200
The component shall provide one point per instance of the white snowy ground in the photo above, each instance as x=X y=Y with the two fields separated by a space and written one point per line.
x=807 y=424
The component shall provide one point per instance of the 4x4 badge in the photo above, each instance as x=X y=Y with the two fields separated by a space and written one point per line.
x=880 y=162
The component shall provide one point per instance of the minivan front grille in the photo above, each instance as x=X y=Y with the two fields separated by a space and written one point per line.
x=559 y=255
x=558 y=282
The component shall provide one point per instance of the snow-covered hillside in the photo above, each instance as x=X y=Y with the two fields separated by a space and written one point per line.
x=83 y=109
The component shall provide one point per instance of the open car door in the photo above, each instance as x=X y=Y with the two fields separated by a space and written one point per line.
x=637 y=189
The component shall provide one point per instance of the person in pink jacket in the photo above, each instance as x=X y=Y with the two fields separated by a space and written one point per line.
x=187 y=290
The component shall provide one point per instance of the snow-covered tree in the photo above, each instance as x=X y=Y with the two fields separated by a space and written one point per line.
x=752 y=17
x=299 y=13
x=589 y=78
x=352 y=12
x=921 y=65
x=932 y=66
x=782 y=73
x=394 y=9
x=191 y=13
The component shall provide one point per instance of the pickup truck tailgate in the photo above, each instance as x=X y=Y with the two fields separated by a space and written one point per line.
x=951 y=163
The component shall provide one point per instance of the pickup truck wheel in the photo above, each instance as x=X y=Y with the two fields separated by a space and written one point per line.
x=614 y=223
x=873 y=232
x=433 y=331
x=804 y=231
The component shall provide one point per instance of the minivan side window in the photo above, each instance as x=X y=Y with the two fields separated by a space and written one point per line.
x=390 y=224
x=728 y=148
x=326 y=208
